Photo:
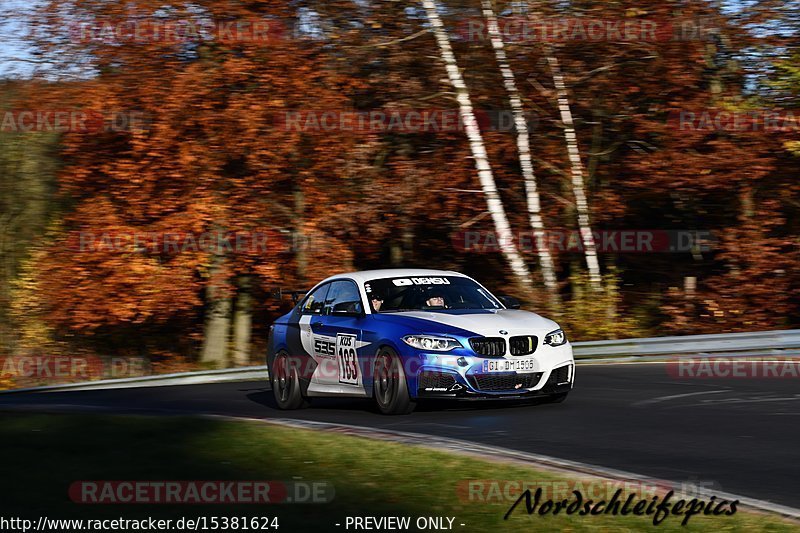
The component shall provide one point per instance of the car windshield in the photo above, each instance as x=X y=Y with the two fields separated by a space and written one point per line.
x=392 y=295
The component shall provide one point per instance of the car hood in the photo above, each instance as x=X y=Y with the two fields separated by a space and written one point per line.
x=487 y=323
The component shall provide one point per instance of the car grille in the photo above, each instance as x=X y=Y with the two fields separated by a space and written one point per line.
x=523 y=345
x=504 y=382
x=489 y=346
x=435 y=380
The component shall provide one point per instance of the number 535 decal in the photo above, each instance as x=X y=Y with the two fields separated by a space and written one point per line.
x=348 y=359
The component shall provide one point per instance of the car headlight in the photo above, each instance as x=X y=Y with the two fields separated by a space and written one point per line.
x=556 y=338
x=429 y=342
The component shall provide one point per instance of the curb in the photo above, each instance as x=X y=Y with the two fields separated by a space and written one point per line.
x=482 y=451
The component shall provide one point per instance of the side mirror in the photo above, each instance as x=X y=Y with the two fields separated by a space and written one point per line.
x=348 y=309
x=510 y=302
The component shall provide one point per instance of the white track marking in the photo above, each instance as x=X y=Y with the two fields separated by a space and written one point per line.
x=660 y=399
x=749 y=400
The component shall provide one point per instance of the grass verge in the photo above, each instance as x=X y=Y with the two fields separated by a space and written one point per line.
x=42 y=455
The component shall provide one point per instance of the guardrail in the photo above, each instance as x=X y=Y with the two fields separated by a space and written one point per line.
x=741 y=343
x=737 y=344
x=184 y=378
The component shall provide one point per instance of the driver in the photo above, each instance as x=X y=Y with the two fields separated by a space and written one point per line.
x=377 y=301
x=435 y=299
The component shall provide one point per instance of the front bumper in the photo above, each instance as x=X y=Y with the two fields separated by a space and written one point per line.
x=460 y=391
x=452 y=377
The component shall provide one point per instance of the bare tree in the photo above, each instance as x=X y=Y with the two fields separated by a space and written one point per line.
x=573 y=151
x=493 y=201
x=577 y=172
x=524 y=149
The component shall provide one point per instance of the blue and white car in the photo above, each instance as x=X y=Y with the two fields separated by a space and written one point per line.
x=403 y=335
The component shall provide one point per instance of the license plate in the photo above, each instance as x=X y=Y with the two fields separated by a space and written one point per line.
x=521 y=366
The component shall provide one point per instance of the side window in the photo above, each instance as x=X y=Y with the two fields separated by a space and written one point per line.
x=343 y=298
x=315 y=302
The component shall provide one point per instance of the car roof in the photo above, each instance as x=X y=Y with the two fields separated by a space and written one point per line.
x=368 y=275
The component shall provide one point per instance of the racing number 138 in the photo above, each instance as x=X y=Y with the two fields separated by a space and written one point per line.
x=348 y=359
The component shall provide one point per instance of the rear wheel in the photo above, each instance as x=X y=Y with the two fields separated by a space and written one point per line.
x=286 y=383
x=389 y=386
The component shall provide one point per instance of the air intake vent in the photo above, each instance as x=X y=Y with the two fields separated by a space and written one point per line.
x=435 y=381
x=504 y=382
x=558 y=378
x=560 y=375
x=488 y=346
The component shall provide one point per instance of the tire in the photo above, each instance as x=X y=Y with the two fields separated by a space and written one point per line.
x=558 y=398
x=390 y=388
x=286 y=383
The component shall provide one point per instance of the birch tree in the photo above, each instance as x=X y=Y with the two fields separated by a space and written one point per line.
x=524 y=148
x=478 y=147
x=573 y=151
x=577 y=172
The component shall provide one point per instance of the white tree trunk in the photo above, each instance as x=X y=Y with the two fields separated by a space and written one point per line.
x=524 y=149
x=218 y=319
x=578 y=185
x=478 y=147
x=242 y=323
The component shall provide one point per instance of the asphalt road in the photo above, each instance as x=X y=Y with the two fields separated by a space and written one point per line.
x=741 y=435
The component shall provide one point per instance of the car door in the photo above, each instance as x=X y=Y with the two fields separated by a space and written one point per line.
x=342 y=319
x=305 y=338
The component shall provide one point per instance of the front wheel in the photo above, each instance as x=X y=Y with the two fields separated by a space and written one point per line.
x=286 y=383
x=389 y=386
